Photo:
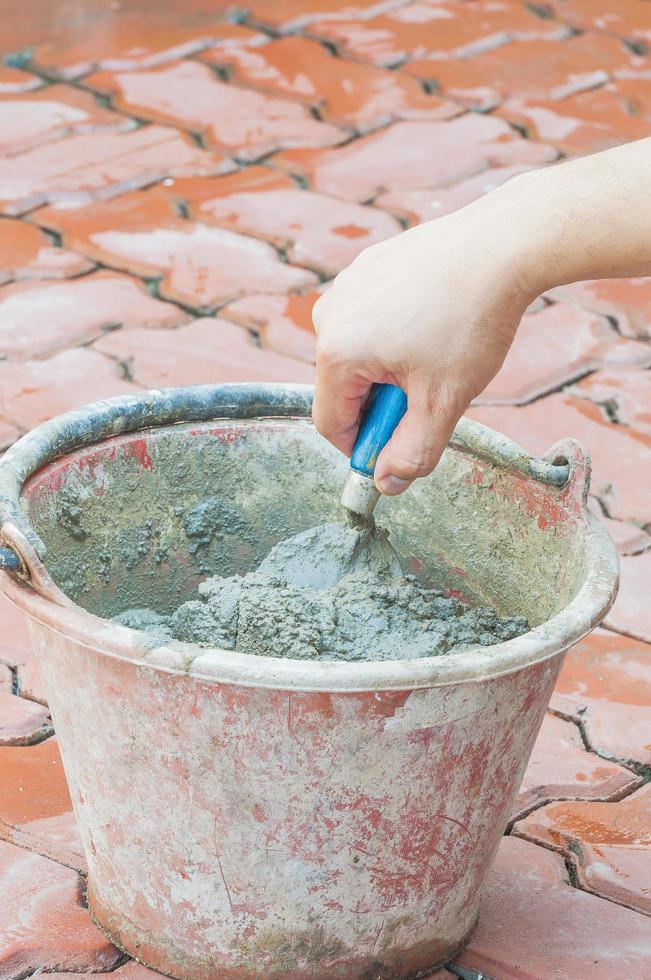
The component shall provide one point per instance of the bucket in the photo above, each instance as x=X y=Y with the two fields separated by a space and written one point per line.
x=253 y=817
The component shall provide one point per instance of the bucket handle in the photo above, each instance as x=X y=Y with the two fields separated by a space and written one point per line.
x=565 y=468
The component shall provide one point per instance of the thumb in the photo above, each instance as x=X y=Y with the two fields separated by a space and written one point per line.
x=418 y=442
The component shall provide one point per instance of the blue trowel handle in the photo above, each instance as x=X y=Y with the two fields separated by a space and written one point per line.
x=386 y=406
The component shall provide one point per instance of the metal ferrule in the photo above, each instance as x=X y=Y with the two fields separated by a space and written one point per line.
x=360 y=495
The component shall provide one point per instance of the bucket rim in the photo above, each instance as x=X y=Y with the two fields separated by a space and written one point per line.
x=41 y=600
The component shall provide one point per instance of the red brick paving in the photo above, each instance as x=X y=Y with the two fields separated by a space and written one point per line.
x=281 y=323
x=621 y=457
x=418 y=205
x=584 y=123
x=533 y=924
x=43 y=116
x=609 y=843
x=13 y=80
x=437 y=30
x=6 y=679
x=605 y=686
x=125 y=40
x=531 y=69
x=200 y=265
x=147 y=182
x=235 y=120
x=413 y=155
x=553 y=347
x=21 y=721
x=94 y=165
x=561 y=769
x=344 y=92
x=314 y=230
x=161 y=358
x=44 y=923
x=629 y=538
x=27 y=253
x=35 y=811
x=626 y=393
x=631 y=614
x=40 y=316
x=627 y=301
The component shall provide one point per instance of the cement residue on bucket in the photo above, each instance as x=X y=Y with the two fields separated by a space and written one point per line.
x=372 y=612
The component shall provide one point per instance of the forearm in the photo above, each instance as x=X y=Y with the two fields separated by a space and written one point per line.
x=585 y=219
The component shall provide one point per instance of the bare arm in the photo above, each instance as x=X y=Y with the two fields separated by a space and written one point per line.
x=436 y=308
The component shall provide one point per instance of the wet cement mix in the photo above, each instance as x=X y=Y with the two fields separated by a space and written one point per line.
x=335 y=592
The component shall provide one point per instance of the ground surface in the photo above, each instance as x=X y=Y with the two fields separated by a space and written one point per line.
x=175 y=189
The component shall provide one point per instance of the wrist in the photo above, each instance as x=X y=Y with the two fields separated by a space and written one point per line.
x=505 y=233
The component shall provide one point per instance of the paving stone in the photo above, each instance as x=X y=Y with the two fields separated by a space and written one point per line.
x=16 y=650
x=315 y=230
x=35 y=809
x=413 y=155
x=289 y=15
x=560 y=768
x=14 y=80
x=43 y=924
x=8 y=435
x=124 y=40
x=26 y=253
x=634 y=92
x=629 y=538
x=39 y=117
x=438 y=30
x=605 y=684
x=345 y=92
x=533 y=924
x=30 y=680
x=621 y=458
x=628 y=301
x=281 y=323
x=555 y=346
x=21 y=721
x=584 y=123
x=627 y=394
x=631 y=613
x=232 y=119
x=628 y=19
x=609 y=843
x=81 y=168
x=415 y=206
x=6 y=680
x=533 y=69
x=39 y=317
x=200 y=265
x=33 y=391
x=207 y=351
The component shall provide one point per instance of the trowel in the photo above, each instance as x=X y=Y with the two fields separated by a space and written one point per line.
x=321 y=556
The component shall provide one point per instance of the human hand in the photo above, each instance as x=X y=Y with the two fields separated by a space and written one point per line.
x=433 y=310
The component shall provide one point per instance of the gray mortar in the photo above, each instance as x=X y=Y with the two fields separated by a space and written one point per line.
x=333 y=592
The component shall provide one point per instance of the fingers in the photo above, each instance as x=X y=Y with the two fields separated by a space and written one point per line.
x=339 y=395
x=418 y=442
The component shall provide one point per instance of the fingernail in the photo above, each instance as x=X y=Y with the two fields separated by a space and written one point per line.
x=392 y=485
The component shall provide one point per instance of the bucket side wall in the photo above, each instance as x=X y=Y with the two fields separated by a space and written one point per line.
x=248 y=833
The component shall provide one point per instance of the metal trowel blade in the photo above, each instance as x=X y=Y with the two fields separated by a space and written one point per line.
x=319 y=557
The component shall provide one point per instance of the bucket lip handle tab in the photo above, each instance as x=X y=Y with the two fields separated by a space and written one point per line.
x=18 y=555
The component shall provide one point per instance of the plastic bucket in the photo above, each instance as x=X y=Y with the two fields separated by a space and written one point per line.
x=245 y=816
